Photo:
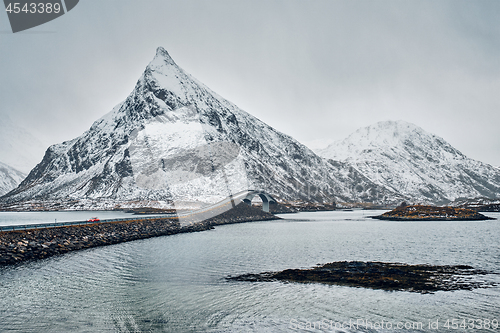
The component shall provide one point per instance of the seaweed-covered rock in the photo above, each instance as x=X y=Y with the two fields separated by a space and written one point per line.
x=380 y=275
x=431 y=213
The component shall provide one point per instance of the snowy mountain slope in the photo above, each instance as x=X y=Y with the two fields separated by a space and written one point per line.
x=410 y=161
x=9 y=178
x=475 y=202
x=173 y=140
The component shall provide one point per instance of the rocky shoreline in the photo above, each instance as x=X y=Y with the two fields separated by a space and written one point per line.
x=380 y=275
x=431 y=213
x=19 y=246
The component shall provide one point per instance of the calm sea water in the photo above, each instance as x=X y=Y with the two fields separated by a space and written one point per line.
x=177 y=283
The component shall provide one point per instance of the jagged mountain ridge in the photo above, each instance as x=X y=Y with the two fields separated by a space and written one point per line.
x=9 y=178
x=403 y=157
x=127 y=155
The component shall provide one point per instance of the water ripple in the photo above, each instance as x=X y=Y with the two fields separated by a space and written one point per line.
x=177 y=283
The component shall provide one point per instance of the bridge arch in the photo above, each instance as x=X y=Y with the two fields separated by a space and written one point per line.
x=266 y=199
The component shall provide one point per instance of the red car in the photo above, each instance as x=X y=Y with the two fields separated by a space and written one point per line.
x=93 y=219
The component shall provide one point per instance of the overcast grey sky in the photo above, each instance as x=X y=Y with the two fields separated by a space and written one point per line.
x=316 y=70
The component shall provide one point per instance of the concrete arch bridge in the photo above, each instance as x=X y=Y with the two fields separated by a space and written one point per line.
x=266 y=198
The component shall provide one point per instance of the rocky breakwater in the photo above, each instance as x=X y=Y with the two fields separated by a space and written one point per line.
x=18 y=246
x=431 y=213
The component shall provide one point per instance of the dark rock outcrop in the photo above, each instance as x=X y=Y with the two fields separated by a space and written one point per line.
x=380 y=275
x=431 y=213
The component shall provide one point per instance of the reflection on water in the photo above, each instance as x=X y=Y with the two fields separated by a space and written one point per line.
x=176 y=283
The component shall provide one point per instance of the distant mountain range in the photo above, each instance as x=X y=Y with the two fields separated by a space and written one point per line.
x=422 y=166
x=173 y=141
x=18 y=147
x=9 y=178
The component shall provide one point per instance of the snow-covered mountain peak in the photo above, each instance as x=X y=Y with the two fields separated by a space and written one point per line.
x=165 y=86
x=163 y=142
x=162 y=71
x=413 y=162
x=391 y=138
x=162 y=55
x=387 y=133
x=163 y=90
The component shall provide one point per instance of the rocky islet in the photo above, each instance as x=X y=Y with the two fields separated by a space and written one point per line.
x=380 y=275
